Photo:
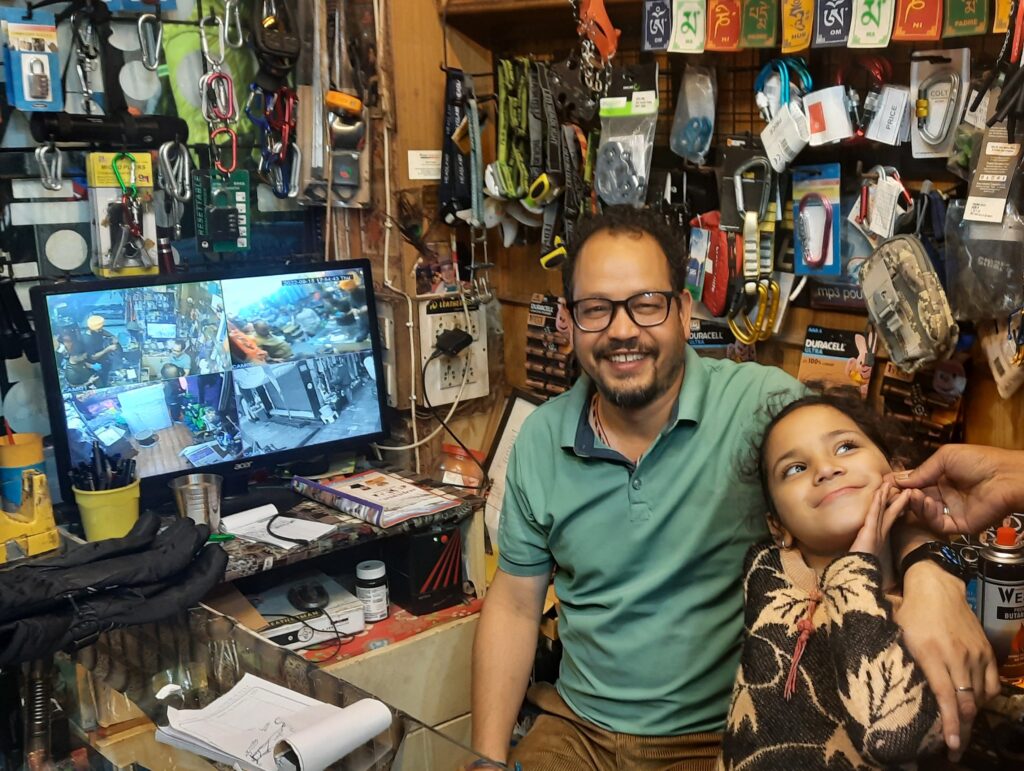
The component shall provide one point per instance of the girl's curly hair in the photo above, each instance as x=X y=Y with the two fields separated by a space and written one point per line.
x=844 y=399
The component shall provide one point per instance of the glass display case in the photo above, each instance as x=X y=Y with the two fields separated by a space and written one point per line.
x=192 y=659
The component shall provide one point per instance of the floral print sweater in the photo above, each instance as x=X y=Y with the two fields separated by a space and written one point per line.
x=860 y=700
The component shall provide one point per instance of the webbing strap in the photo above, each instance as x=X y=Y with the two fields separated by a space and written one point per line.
x=552 y=134
x=453 y=191
x=476 y=159
x=535 y=125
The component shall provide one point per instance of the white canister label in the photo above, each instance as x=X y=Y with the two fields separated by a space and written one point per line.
x=375 y=602
x=1002 y=616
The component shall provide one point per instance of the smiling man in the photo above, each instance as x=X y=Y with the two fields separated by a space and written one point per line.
x=627 y=488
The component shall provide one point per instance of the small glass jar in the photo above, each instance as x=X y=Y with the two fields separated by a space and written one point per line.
x=456 y=467
x=372 y=590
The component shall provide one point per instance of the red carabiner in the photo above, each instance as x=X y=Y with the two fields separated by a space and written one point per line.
x=216 y=148
x=281 y=117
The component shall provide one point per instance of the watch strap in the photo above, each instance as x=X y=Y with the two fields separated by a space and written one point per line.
x=940 y=553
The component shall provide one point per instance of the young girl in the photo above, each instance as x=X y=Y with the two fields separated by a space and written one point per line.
x=825 y=680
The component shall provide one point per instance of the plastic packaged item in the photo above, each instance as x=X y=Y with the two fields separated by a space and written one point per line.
x=372 y=590
x=694 y=122
x=456 y=467
x=628 y=121
x=984 y=264
x=907 y=305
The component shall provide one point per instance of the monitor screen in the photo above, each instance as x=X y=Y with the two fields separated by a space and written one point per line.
x=188 y=373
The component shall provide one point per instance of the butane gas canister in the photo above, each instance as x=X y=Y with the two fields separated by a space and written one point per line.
x=1002 y=601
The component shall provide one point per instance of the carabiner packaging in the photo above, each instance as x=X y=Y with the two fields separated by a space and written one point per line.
x=816 y=214
x=907 y=305
x=31 y=61
x=938 y=84
x=984 y=264
x=123 y=220
x=628 y=121
x=694 y=122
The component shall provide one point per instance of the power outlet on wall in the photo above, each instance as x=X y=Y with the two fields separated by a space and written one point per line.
x=443 y=375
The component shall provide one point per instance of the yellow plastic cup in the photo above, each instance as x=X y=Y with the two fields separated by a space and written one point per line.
x=108 y=513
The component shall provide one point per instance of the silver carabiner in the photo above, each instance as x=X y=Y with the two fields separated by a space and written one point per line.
x=215 y=63
x=233 y=34
x=923 y=106
x=51 y=166
x=151 y=38
x=766 y=185
x=176 y=171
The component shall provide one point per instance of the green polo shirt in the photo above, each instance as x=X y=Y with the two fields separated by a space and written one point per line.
x=649 y=558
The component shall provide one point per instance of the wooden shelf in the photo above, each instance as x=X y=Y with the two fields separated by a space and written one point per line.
x=501 y=24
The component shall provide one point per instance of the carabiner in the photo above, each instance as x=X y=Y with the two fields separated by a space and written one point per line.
x=284 y=174
x=216 y=148
x=751 y=165
x=923 y=108
x=767 y=308
x=130 y=189
x=215 y=63
x=217 y=94
x=745 y=330
x=752 y=219
x=176 y=172
x=233 y=34
x=50 y=160
x=151 y=38
x=804 y=227
x=256 y=107
x=891 y=172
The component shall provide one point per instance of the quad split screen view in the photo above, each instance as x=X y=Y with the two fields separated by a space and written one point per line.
x=185 y=375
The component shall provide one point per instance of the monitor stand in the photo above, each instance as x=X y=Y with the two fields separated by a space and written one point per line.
x=236 y=497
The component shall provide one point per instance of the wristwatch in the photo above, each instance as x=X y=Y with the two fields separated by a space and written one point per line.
x=943 y=555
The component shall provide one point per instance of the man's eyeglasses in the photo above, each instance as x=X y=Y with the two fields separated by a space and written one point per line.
x=646 y=309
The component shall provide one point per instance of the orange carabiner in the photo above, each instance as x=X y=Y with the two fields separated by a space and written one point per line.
x=216 y=148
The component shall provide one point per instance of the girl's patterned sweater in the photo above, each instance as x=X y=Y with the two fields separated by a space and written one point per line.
x=861 y=702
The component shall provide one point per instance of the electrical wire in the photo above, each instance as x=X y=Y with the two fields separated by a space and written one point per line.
x=451 y=411
x=486 y=481
x=384 y=87
x=341 y=638
x=272 y=534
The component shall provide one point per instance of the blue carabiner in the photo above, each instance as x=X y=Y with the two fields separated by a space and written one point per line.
x=259 y=120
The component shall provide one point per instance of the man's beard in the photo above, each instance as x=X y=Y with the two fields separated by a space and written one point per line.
x=632 y=396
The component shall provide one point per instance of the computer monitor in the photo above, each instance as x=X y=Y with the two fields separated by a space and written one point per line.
x=221 y=373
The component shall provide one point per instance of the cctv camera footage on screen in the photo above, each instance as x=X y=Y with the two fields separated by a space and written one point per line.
x=185 y=375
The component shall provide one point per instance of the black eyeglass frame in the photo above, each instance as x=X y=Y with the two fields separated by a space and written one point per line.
x=616 y=304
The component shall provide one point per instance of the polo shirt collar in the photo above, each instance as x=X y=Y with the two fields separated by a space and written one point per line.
x=575 y=432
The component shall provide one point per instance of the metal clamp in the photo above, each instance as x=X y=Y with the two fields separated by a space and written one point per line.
x=50 y=160
x=234 y=37
x=175 y=166
x=151 y=37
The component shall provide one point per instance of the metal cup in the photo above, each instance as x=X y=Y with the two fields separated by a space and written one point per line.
x=198 y=498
